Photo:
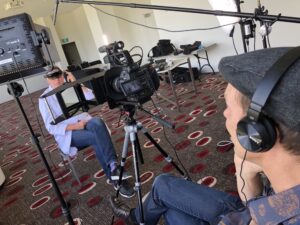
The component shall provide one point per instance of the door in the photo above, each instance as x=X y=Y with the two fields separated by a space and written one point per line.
x=71 y=53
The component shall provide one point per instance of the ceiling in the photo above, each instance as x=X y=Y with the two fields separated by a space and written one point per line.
x=36 y=8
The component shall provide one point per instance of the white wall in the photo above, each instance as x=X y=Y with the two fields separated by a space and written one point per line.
x=95 y=26
x=134 y=35
x=109 y=24
x=75 y=26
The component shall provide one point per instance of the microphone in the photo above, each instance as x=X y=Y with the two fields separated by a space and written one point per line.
x=249 y=28
x=55 y=11
x=102 y=49
x=265 y=30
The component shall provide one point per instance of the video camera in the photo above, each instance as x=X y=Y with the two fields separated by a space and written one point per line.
x=127 y=82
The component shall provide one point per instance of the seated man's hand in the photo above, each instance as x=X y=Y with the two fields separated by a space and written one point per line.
x=81 y=124
x=70 y=77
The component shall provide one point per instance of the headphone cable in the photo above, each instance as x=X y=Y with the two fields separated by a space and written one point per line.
x=243 y=180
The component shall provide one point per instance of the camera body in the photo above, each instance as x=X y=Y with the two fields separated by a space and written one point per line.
x=125 y=85
x=127 y=82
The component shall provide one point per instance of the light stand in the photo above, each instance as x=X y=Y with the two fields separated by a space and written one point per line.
x=24 y=50
x=131 y=130
x=16 y=91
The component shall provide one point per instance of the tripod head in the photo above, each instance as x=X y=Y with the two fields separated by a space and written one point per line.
x=130 y=108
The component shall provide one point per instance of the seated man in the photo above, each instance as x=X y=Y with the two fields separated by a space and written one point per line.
x=81 y=131
x=274 y=150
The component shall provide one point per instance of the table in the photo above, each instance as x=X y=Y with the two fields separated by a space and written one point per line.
x=178 y=60
x=197 y=53
x=175 y=62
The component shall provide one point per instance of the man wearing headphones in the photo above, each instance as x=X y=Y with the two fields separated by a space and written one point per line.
x=263 y=120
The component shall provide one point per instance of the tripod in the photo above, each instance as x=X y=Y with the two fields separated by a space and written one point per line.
x=131 y=133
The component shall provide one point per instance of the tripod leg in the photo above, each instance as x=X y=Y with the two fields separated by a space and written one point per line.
x=137 y=186
x=123 y=160
x=138 y=148
x=168 y=158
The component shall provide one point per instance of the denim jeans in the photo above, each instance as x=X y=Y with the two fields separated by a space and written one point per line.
x=96 y=135
x=183 y=202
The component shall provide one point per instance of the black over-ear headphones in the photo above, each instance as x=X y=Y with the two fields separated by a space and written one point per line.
x=256 y=132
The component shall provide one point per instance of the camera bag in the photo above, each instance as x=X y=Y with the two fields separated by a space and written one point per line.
x=164 y=47
x=182 y=75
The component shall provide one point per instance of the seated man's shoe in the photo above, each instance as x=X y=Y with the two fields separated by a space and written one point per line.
x=126 y=190
x=116 y=174
x=121 y=210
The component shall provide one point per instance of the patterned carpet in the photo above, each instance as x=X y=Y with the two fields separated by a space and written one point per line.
x=28 y=198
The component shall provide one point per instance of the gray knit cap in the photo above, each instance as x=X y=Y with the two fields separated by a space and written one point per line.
x=245 y=71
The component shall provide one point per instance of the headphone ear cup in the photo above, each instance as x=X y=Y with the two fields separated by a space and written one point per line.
x=256 y=136
x=245 y=133
x=270 y=134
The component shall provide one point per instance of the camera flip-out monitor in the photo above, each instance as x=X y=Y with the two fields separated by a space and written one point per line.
x=18 y=54
x=131 y=87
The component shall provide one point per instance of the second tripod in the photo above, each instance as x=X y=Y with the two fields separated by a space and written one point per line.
x=131 y=134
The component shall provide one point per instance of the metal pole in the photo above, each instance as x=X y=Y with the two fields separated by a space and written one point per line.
x=188 y=10
x=261 y=12
x=238 y=4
